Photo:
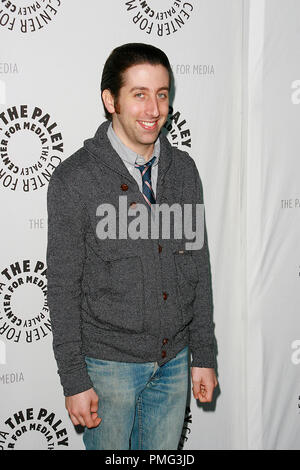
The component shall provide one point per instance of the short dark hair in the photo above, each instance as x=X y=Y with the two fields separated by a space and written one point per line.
x=124 y=57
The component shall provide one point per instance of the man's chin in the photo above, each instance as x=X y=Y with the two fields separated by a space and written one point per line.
x=148 y=141
x=150 y=138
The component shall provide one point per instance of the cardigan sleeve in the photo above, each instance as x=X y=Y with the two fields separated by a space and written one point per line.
x=201 y=329
x=65 y=261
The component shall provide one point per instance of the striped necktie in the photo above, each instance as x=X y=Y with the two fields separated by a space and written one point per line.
x=146 y=181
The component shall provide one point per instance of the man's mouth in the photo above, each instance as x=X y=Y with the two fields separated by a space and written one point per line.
x=149 y=125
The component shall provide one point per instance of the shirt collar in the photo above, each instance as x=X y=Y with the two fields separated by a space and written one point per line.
x=126 y=153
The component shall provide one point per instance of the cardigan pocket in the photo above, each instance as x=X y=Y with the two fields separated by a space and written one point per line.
x=187 y=279
x=120 y=305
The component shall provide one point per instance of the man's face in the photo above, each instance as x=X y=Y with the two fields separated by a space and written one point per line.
x=142 y=107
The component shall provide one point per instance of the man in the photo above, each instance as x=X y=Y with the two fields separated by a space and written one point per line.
x=125 y=311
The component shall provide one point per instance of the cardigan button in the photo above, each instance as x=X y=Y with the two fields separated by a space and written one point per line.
x=165 y=340
x=165 y=295
x=159 y=248
x=124 y=187
x=163 y=354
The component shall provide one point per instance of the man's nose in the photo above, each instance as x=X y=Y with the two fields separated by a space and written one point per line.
x=152 y=107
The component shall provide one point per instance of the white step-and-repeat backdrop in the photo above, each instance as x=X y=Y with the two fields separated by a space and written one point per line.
x=236 y=110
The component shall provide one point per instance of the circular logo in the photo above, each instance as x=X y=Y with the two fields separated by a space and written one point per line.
x=31 y=147
x=177 y=130
x=157 y=18
x=27 y=16
x=24 y=313
x=35 y=429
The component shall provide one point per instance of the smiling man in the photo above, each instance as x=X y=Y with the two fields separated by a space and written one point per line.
x=141 y=107
x=126 y=313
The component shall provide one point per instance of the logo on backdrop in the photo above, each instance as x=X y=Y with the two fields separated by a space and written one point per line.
x=204 y=70
x=24 y=313
x=27 y=17
x=291 y=203
x=158 y=18
x=8 y=68
x=11 y=378
x=185 y=430
x=31 y=147
x=30 y=427
x=177 y=130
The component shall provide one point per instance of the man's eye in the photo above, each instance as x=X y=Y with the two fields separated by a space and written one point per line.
x=139 y=95
x=163 y=95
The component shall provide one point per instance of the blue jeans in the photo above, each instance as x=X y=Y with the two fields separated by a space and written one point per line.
x=142 y=405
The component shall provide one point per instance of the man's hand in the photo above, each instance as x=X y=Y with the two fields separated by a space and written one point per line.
x=204 y=381
x=83 y=408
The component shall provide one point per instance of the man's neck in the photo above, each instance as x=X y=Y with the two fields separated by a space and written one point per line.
x=146 y=151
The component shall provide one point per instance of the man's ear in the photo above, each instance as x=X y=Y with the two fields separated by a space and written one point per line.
x=108 y=101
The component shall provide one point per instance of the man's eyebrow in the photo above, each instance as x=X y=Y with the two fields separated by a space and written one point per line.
x=145 y=88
